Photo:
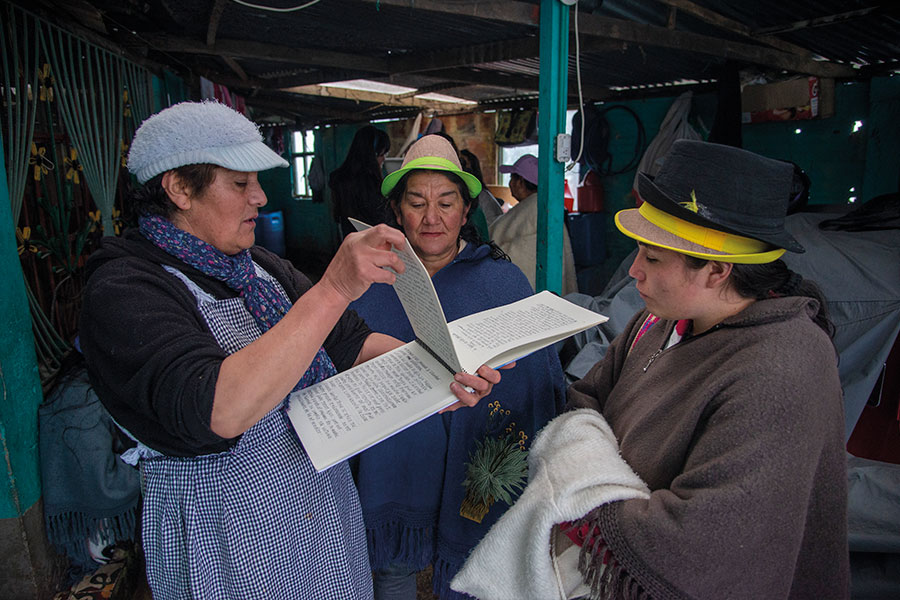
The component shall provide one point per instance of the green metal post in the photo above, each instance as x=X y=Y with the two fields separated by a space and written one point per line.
x=553 y=88
x=27 y=568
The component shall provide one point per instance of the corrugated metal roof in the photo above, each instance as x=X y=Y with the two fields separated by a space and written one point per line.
x=488 y=51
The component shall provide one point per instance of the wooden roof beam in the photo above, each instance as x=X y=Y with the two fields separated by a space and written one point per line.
x=650 y=35
x=516 y=83
x=215 y=15
x=465 y=56
x=234 y=66
x=315 y=77
x=638 y=33
x=480 y=54
x=714 y=18
x=271 y=52
x=818 y=21
x=297 y=108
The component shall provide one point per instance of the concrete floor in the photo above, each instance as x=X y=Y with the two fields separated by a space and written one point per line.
x=423 y=588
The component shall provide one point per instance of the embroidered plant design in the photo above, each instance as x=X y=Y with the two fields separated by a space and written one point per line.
x=497 y=467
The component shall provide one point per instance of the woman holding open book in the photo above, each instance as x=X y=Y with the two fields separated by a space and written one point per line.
x=429 y=493
x=194 y=337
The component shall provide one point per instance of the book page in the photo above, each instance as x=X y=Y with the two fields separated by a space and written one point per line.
x=345 y=414
x=488 y=337
x=421 y=304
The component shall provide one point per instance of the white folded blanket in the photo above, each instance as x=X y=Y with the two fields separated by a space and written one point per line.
x=574 y=466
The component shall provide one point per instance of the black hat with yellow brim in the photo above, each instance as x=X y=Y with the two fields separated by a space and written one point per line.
x=715 y=202
x=652 y=226
x=434 y=153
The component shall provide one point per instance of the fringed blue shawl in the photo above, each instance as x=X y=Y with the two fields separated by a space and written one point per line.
x=411 y=485
x=88 y=491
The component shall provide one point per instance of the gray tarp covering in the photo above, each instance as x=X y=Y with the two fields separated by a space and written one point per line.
x=874 y=528
x=859 y=272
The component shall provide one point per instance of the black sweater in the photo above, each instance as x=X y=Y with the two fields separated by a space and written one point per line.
x=152 y=359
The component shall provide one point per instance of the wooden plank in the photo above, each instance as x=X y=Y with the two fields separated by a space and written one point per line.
x=379 y=98
x=714 y=18
x=819 y=21
x=215 y=15
x=466 y=56
x=271 y=52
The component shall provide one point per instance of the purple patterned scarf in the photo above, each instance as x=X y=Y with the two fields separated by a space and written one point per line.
x=237 y=272
x=261 y=296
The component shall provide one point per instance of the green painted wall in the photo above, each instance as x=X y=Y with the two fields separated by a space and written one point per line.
x=835 y=157
x=617 y=189
x=311 y=234
x=828 y=150
x=882 y=175
x=20 y=482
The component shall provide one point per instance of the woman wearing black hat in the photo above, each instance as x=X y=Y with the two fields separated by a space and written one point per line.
x=724 y=399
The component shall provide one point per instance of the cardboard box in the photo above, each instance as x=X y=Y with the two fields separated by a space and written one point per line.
x=795 y=99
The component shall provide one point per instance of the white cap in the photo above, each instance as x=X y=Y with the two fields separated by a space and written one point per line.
x=192 y=133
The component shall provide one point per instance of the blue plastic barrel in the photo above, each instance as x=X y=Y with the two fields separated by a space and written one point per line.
x=270 y=231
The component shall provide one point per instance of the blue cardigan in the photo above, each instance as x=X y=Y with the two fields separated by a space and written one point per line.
x=411 y=485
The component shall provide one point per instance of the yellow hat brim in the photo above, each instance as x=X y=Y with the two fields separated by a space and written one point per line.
x=636 y=225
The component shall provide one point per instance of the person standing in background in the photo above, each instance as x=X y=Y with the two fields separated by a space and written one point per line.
x=490 y=206
x=356 y=184
x=516 y=231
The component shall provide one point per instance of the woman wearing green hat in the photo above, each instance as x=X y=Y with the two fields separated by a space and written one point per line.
x=703 y=457
x=419 y=490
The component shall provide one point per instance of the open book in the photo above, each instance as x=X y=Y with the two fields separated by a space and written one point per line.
x=345 y=414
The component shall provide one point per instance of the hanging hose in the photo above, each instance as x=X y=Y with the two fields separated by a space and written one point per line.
x=596 y=156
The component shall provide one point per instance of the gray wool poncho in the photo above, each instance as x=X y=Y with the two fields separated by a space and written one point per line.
x=739 y=434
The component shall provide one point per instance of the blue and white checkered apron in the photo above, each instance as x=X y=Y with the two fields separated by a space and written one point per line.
x=256 y=521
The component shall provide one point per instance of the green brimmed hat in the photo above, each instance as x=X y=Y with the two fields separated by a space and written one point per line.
x=435 y=153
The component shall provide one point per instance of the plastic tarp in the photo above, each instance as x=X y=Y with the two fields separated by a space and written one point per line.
x=873 y=528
